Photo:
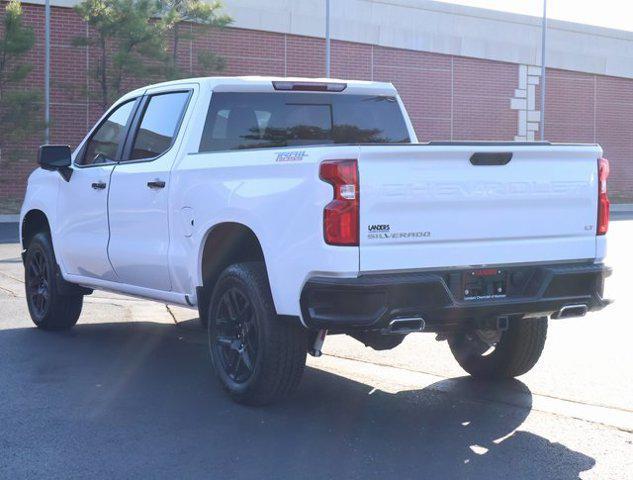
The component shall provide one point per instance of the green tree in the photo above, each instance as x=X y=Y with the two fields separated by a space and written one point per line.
x=201 y=16
x=19 y=107
x=130 y=41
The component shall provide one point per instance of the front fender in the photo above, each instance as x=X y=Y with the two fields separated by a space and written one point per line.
x=41 y=194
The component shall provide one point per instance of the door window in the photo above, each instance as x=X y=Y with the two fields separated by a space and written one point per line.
x=159 y=125
x=104 y=143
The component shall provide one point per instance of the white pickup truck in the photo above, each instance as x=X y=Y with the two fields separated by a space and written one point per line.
x=284 y=209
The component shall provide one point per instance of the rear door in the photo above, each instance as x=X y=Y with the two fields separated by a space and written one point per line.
x=435 y=206
x=138 y=205
x=81 y=241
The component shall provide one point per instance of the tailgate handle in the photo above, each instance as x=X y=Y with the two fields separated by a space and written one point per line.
x=491 y=158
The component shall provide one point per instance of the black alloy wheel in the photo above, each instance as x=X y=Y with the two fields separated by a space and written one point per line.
x=235 y=336
x=38 y=283
x=50 y=308
x=257 y=356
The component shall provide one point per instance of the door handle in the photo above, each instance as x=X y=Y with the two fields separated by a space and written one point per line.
x=99 y=185
x=156 y=184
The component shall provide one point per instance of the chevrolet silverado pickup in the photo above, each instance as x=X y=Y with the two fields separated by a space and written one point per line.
x=285 y=209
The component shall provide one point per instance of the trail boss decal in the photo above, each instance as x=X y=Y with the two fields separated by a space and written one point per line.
x=383 y=231
x=294 y=156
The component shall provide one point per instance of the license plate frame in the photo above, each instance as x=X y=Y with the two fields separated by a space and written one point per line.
x=484 y=284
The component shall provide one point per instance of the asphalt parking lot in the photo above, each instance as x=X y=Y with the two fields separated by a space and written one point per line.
x=128 y=393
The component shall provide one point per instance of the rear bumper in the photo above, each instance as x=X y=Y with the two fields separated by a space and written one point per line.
x=371 y=302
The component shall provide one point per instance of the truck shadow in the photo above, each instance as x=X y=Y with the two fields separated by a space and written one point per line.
x=138 y=400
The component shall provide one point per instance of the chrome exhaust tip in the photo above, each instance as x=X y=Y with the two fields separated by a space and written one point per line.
x=407 y=325
x=571 y=311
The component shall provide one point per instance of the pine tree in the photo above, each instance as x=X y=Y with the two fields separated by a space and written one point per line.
x=131 y=38
x=130 y=41
x=20 y=107
x=204 y=16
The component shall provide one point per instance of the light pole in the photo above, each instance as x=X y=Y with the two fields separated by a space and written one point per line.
x=543 y=66
x=327 y=38
x=47 y=70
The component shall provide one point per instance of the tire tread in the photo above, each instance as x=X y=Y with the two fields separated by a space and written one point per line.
x=518 y=351
x=285 y=343
x=65 y=309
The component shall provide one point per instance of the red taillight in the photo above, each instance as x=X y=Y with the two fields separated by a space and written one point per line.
x=603 y=199
x=340 y=216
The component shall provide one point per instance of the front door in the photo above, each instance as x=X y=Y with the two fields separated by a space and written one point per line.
x=81 y=240
x=139 y=193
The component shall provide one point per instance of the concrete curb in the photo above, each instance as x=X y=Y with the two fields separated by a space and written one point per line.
x=9 y=218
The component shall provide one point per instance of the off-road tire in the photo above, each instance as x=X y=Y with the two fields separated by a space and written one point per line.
x=281 y=345
x=516 y=353
x=57 y=311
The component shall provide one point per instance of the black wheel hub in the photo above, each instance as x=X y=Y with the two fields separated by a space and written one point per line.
x=234 y=336
x=38 y=284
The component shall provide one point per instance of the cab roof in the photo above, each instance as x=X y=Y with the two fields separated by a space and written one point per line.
x=266 y=84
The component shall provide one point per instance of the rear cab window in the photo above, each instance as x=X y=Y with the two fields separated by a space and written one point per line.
x=243 y=120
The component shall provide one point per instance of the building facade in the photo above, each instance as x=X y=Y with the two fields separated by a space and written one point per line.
x=463 y=73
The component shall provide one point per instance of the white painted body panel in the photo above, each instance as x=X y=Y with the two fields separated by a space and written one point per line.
x=82 y=231
x=150 y=243
x=41 y=194
x=445 y=212
x=281 y=203
x=139 y=250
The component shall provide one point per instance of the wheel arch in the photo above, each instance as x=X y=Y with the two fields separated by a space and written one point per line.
x=225 y=244
x=34 y=221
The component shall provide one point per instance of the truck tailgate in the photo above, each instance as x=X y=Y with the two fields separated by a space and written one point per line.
x=429 y=206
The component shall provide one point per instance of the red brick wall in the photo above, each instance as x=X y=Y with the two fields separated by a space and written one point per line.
x=581 y=107
x=448 y=97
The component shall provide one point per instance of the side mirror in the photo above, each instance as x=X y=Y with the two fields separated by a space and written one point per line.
x=56 y=158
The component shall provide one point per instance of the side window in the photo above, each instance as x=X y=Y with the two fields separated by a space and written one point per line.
x=159 y=125
x=104 y=143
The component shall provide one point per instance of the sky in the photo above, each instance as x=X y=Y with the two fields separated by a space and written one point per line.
x=603 y=13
